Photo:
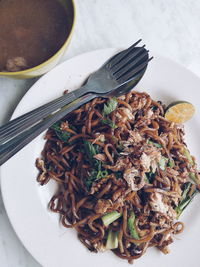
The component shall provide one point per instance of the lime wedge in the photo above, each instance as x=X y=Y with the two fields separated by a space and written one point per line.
x=179 y=111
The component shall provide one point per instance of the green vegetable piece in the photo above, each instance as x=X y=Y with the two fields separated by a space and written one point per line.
x=62 y=135
x=89 y=149
x=110 y=217
x=110 y=106
x=112 y=240
x=185 y=191
x=150 y=176
x=90 y=179
x=110 y=123
x=131 y=226
x=185 y=200
x=104 y=173
x=178 y=212
x=97 y=172
x=98 y=175
x=162 y=163
x=56 y=127
x=193 y=177
x=101 y=174
x=171 y=163
x=146 y=179
x=154 y=143
x=183 y=205
x=95 y=175
x=188 y=156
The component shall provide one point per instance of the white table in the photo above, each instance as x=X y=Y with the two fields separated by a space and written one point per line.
x=169 y=27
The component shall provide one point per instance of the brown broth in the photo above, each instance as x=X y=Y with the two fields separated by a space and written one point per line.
x=31 y=31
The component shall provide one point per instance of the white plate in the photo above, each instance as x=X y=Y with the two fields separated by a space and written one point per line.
x=26 y=202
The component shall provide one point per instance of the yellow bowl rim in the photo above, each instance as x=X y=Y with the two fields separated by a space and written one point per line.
x=16 y=73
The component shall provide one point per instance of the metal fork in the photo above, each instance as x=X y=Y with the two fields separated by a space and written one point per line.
x=116 y=77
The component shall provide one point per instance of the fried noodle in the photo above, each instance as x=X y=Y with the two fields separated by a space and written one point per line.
x=128 y=160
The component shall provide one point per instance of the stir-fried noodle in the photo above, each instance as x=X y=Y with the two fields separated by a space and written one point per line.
x=124 y=174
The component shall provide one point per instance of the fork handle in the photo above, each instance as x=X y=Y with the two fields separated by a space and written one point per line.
x=11 y=147
x=23 y=122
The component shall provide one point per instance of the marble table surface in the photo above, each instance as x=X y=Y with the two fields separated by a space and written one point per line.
x=169 y=27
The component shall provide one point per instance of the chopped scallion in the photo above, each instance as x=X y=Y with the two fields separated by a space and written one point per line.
x=150 y=176
x=193 y=177
x=146 y=179
x=154 y=143
x=162 y=163
x=185 y=200
x=110 y=123
x=185 y=191
x=188 y=156
x=110 y=217
x=110 y=106
x=112 y=240
x=171 y=163
x=131 y=226
x=62 y=135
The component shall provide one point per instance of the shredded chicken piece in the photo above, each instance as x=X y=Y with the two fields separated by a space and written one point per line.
x=131 y=176
x=150 y=158
x=128 y=115
x=100 y=157
x=145 y=162
x=157 y=205
x=135 y=137
x=137 y=105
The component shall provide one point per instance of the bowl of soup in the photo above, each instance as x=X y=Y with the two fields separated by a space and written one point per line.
x=34 y=35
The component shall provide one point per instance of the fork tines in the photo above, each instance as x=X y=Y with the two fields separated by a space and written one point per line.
x=129 y=63
x=120 y=56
